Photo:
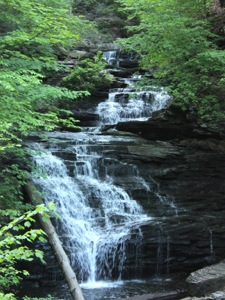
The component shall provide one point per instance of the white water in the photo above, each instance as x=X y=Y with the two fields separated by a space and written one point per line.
x=128 y=104
x=111 y=57
x=98 y=217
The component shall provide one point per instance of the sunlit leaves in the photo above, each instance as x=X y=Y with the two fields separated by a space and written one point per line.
x=30 y=32
x=9 y=296
x=40 y=20
x=87 y=75
x=14 y=240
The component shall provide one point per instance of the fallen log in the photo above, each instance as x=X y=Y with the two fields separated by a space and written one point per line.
x=57 y=247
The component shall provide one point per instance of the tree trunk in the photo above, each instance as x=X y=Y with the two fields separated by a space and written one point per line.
x=54 y=241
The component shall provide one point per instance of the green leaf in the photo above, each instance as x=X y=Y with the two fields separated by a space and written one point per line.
x=27 y=224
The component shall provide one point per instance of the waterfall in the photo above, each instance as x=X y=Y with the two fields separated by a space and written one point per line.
x=129 y=104
x=98 y=216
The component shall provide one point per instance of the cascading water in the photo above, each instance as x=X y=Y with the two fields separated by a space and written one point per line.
x=112 y=57
x=98 y=216
x=129 y=104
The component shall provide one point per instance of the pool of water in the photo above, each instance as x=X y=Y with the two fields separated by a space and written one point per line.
x=110 y=290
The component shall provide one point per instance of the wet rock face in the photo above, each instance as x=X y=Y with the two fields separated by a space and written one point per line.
x=187 y=202
x=187 y=175
x=170 y=124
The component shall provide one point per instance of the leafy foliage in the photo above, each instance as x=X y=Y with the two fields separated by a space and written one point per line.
x=15 y=239
x=41 y=23
x=12 y=179
x=30 y=32
x=174 y=39
x=87 y=75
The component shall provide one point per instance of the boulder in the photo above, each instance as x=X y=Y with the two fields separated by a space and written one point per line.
x=208 y=280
